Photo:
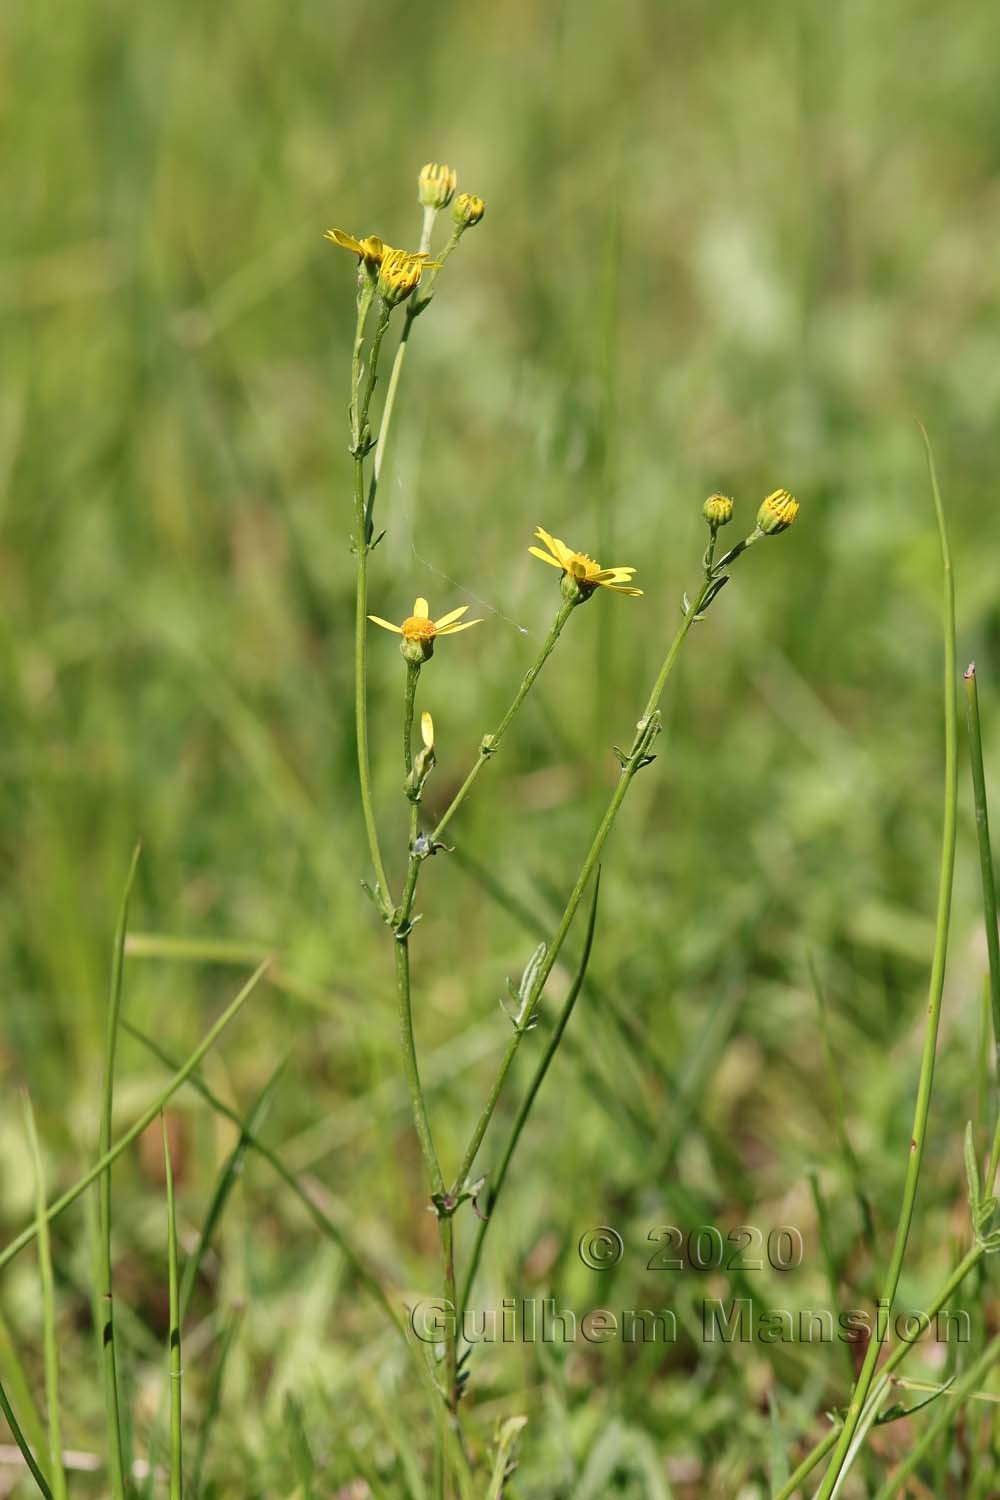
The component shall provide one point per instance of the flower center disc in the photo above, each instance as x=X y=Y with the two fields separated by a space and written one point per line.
x=416 y=629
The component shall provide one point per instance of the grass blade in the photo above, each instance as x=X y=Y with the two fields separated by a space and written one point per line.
x=227 y=1180
x=985 y=853
x=144 y=1121
x=48 y=1311
x=105 y=1320
x=176 y=1441
x=15 y=1380
x=21 y=1441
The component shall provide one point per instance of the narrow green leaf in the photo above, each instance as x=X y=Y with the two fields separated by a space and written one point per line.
x=21 y=1441
x=104 y=1321
x=174 y=1341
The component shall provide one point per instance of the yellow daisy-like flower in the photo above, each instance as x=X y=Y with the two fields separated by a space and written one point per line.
x=777 y=512
x=370 y=250
x=581 y=569
x=419 y=631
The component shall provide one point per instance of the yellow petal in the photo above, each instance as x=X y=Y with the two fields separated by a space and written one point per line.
x=385 y=624
x=454 y=614
x=454 y=629
x=545 y=557
x=621 y=588
x=558 y=548
x=420 y=610
x=612 y=575
x=427 y=730
x=345 y=241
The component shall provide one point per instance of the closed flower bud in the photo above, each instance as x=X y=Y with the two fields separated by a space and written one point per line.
x=436 y=185
x=467 y=210
x=399 y=275
x=777 y=512
x=718 y=511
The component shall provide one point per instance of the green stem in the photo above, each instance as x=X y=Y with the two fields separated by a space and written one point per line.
x=966 y=1264
x=360 y=404
x=521 y=1119
x=985 y=855
x=645 y=734
x=491 y=742
x=411 y=1068
x=447 y=1228
x=925 y=1084
x=409 y=694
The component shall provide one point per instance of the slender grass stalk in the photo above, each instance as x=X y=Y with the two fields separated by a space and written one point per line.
x=926 y=1081
x=491 y=742
x=895 y=1358
x=174 y=1339
x=527 y=1104
x=147 y=1117
x=22 y=1443
x=637 y=757
x=106 y=1319
x=985 y=854
x=963 y=1390
x=50 y=1339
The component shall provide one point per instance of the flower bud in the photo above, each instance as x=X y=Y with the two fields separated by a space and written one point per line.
x=467 y=210
x=777 y=512
x=718 y=511
x=399 y=275
x=427 y=730
x=436 y=185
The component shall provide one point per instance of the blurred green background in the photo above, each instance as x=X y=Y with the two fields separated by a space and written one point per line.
x=725 y=248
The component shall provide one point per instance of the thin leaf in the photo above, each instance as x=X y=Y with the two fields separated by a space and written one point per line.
x=105 y=1310
x=56 y=1472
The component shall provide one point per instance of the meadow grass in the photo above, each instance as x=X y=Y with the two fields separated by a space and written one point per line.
x=723 y=250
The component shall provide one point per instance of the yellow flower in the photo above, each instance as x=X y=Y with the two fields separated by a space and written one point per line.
x=370 y=250
x=427 y=724
x=718 y=511
x=436 y=185
x=777 y=512
x=582 y=571
x=467 y=210
x=419 y=631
